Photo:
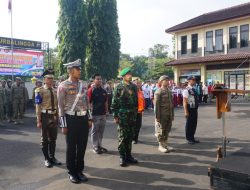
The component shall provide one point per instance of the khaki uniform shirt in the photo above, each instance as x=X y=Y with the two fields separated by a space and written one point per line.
x=46 y=101
x=163 y=103
x=66 y=94
x=17 y=92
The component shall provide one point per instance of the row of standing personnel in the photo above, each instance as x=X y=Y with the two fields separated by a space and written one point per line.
x=71 y=106
x=13 y=100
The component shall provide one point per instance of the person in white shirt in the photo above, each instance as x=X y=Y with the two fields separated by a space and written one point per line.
x=190 y=105
x=205 y=92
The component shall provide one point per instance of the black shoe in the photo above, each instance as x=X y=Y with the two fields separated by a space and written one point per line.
x=97 y=150
x=131 y=160
x=54 y=161
x=48 y=164
x=196 y=141
x=82 y=177
x=73 y=178
x=190 y=142
x=123 y=162
x=103 y=150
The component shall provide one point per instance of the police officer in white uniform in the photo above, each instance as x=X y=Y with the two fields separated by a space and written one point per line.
x=75 y=120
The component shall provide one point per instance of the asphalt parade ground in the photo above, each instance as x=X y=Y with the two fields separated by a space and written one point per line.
x=22 y=163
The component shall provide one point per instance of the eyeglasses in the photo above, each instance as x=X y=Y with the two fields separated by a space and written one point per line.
x=98 y=78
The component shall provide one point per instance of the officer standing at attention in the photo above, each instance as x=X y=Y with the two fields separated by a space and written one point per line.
x=47 y=118
x=124 y=108
x=164 y=113
x=18 y=100
x=74 y=120
x=190 y=105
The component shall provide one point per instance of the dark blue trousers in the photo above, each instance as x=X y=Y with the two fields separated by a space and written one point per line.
x=191 y=124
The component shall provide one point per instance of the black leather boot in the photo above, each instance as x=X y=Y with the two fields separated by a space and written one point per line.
x=52 y=148
x=123 y=162
x=131 y=159
x=47 y=161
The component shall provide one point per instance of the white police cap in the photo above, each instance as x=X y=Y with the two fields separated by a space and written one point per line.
x=76 y=63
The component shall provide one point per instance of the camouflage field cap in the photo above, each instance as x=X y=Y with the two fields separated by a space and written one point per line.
x=163 y=77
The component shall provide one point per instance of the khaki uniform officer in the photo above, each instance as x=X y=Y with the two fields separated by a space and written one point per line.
x=47 y=118
x=164 y=113
x=18 y=100
x=74 y=120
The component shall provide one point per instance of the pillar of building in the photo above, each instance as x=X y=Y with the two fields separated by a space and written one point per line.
x=176 y=74
x=203 y=73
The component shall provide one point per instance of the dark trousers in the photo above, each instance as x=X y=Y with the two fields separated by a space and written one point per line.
x=147 y=103
x=137 y=126
x=191 y=124
x=109 y=102
x=76 y=140
x=205 y=98
x=49 y=135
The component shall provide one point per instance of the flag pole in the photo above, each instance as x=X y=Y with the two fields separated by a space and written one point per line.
x=12 y=43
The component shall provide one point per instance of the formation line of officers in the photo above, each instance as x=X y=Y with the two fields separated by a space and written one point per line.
x=13 y=100
x=77 y=109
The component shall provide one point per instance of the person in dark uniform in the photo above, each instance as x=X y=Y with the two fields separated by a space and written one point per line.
x=74 y=120
x=47 y=118
x=124 y=107
x=190 y=104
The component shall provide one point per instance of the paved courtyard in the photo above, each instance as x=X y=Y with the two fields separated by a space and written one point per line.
x=21 y=161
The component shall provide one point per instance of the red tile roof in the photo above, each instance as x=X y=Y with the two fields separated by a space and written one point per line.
x=213 y=17
x=211 y=58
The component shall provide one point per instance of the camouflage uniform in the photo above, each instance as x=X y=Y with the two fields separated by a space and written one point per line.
x=164 y=112
x=124 y=106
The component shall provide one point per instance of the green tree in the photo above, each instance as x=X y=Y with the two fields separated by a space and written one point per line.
x=125 y=61
x=139 y=67
x=54 y=60
x=160 y=69
x=158 y=51
x=72 y=32
x=104 y=38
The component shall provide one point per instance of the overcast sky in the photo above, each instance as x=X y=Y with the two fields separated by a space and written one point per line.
x=142 y=23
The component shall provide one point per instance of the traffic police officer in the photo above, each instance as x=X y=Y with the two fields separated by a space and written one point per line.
x=74 y=120
x=164 y=113
x=47 y=118
x=124 y=108
x=190 y=105
x=18 y=99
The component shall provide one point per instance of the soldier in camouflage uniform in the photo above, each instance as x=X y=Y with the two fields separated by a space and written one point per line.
x=18 y=100
x=164 y=114
x=124 y=108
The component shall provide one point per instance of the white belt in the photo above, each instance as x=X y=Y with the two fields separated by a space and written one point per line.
x=48 y=111
x=77 y=113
